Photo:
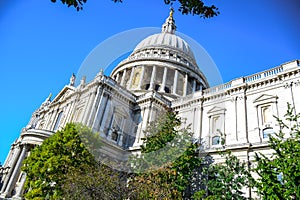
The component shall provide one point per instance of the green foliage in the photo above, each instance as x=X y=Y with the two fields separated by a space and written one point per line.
x=167 y=161
x=75 y=3
x=279 y=175
x=194 y=7
x=160 y=132
x=199 y=195
x=95 y=182
x=226 y=180
x=47 y=165
x=223 y=180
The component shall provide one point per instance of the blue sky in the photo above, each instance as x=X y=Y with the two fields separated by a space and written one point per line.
x=42 y=44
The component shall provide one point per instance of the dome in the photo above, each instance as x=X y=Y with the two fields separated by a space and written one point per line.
x=166 y=40
x=163 y=62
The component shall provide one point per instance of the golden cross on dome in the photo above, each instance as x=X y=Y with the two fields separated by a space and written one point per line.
x=171 y=11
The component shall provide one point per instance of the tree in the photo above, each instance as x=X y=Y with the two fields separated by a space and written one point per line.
x=95 y=182
x=47 y=165
x=194 y=7
x=167 y=161
x=224 y=180
x=228 y=179
x=279 y=175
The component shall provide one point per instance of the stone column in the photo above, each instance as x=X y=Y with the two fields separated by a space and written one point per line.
x=21 y=186
x=140 y=126
x=95 y=105
x=15 y=173
x=185 y=84
x=200 y=120
x=10 y=155
x=88 y=107
x=163 y=85
x=117 y=77
x=75 y=100
x=123 y=77
x=101 y=110
x=12 y=167
x=130 y=79
x=70 y=112
x=105 y=115
x=110 y=125
x=241 y=117
x=175 y=81
x=141 y=79
x=120 y=133
x=152 y=78
x=65 y=115
x=51 y=119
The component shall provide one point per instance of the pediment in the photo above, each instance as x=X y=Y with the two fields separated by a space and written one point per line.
x=216 y=109
x=265 y=98
x=66 y=91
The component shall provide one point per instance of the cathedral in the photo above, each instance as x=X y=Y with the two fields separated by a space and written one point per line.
x=161 y=73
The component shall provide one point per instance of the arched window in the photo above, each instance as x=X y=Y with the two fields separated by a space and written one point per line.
x=136 y=78
x=267 y=114
x=216 y=124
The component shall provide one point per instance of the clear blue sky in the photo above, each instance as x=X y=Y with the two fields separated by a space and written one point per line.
x=42 y=44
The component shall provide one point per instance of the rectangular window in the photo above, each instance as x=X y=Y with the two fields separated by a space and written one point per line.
x=216 y=140
x=267 y=132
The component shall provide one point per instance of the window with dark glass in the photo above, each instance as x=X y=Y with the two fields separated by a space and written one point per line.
x=114 y=135
x=216 y=140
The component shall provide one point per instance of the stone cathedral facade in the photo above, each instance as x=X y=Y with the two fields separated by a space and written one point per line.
x=161 y=73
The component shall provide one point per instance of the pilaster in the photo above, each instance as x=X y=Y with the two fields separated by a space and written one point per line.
x=16 y=171
x=88 y=107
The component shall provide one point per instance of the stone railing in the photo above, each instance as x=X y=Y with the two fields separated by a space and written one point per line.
x=218 y=88
x=174 y=57
x=248 y=79
x=263 y=74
